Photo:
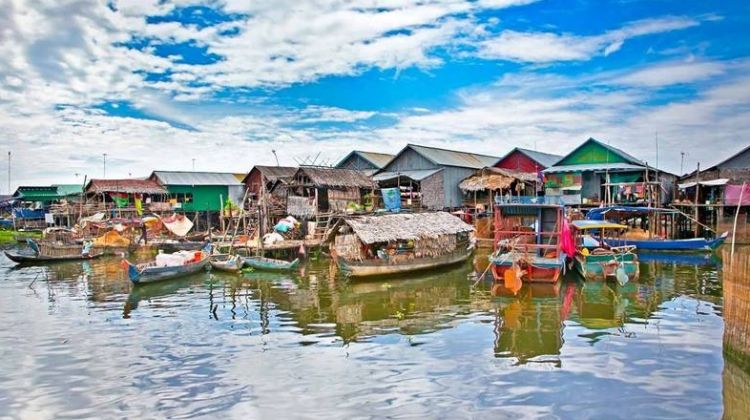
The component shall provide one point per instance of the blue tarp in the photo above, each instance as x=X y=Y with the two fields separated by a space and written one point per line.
x=28 y=214
x=600 y=213
x=391 y=198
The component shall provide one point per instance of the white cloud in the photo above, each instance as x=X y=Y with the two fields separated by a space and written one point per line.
x=546 y=47
x=673 y=73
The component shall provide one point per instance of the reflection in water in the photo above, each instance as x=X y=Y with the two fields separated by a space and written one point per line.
x=430 y=345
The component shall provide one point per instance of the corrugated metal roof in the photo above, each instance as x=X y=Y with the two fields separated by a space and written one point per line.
x=546 y=159
x=595 y=167
x=416 y=175
x=130 y=186
x=274 y=173
x=377 y=159
x=454 y=158
x=68 y=189
x=195 y=178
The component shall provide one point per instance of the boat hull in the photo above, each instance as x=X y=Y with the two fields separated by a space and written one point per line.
x=379 y=268
x=603 y=267
x=540 y=270
x=41 y=259
x=228 y=264
x=270 y=264
x=684 y=245
x=155 y=274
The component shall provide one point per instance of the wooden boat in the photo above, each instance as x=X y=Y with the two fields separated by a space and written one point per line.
x=150 y=272
x=36 y=258
x=662 y=227
x=225 y=262
x=603 y=263
x=270 y=264
x=380 y=267
x=401 y=243
x=528 y=240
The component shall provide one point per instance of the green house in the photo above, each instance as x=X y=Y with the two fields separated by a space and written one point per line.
x=595 y=173
x=200 y=191
x=47 y=193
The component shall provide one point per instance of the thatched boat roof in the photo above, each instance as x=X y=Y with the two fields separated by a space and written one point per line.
x=332 y=177
x=494 y=179
x=406 y=226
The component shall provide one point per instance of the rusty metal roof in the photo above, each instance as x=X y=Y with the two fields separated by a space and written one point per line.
x=454 y=158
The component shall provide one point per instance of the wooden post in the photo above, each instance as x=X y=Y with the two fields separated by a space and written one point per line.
x=734 y=228
x=697 y=188
x=221 y=215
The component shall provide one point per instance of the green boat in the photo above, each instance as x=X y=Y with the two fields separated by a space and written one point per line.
x=270 y=264
x=617 y=263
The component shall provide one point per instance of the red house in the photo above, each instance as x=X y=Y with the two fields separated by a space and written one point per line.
x=525 y=160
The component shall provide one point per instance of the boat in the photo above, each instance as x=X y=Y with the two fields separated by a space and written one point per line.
x=394 y=244
x=529 y=243
x=605 y=262
x=270 y=264
x=48 y=251
x=662 y=226
x=226 y=262
x=153 y=271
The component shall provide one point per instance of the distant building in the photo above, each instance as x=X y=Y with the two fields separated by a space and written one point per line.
x=368 y=162
x=428 y=177
x=123 y=195
x=200 y=191
x=528 y=161
x=595 y=173
x=314 y=190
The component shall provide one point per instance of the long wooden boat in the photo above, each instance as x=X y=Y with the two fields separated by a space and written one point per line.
x=270 y=264
x=534 y=269
x=149 y=272
x=36 y=258
x=380 y=267
x=229 y=263
x=664 y=222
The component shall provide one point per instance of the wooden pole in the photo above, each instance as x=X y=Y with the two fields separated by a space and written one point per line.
x=734 y=228
x=221 y=216
x=237 y=225
x=697 y=188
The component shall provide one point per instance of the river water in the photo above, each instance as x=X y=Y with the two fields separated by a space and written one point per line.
x=78 y=341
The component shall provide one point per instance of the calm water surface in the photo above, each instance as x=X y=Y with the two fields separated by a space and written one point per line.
x=77 y=341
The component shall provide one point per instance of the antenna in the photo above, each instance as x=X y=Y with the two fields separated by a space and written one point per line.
x=275 y=156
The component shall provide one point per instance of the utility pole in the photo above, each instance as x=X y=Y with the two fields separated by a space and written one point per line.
x=682 y=162
x=193 y=164
x=104 y=155
x=9 y=191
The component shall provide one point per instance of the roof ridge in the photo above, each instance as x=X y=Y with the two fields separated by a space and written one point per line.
x=450 y=150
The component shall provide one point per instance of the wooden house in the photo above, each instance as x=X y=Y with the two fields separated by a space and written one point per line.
x=713 y=196
x=314 y=190
x=428 y=177
x=200 y=191
x=528 y=161
x=595 y=173
x=262 y=179
x=367 y=162
x=124 y=195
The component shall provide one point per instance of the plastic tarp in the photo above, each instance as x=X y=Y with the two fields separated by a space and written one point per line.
x=732 y=195
x=111 y=238
x=177 y=224
x=98 y=217
x=28 y=214
x=391 y=198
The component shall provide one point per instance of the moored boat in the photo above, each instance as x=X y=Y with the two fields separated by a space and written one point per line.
x=605 y=262
x=226 y=262
x=48 y=251
x=652 y=229
x=192 y=262
x=393 y=244
x=529 y=243
x=270 y=264
x=36 y=258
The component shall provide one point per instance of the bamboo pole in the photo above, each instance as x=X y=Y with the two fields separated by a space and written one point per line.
x=237 y=225
x=734 y=227
x=697 y=188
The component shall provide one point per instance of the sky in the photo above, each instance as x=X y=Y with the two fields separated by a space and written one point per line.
x=221 y=85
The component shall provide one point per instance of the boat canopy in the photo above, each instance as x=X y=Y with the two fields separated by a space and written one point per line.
x=596 y=224
x=601 y=213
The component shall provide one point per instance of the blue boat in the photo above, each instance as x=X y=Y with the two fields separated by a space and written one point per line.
x=150 y=272
x=659 y=217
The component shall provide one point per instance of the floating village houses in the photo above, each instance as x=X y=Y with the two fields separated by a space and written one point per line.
x=367 y=162
x=528 y=161
x=595 y=173
x=261 y=180
x=428 y=177
x=314 y=190
x=713 y=195
x=124 y=197
x=51 y=204
x=193 y=192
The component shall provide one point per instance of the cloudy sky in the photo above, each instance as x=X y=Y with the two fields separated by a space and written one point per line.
x=157 y=84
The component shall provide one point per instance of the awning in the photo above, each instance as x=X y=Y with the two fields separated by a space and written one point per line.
x=709 y=183
x=415 y=175
x=572 y=188
x=596 y=224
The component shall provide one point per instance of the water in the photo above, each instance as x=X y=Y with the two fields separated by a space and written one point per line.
x=78 y=341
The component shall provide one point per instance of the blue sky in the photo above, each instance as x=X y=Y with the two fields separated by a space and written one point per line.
x=157 y=84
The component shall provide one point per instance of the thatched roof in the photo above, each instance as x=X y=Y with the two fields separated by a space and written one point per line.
x=406 y=226
x=494 y=179
x=273 y=173
x=332 y=177
x=129 y=186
